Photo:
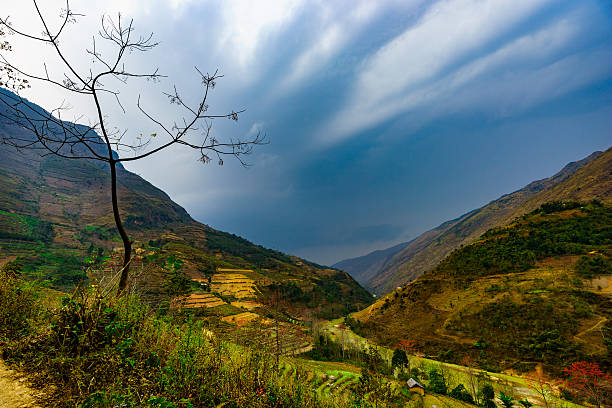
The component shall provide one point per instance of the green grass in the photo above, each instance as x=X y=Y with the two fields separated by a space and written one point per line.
x=21 y=227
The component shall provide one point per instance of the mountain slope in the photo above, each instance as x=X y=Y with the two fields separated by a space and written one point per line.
x=365 y=267
x=537 y=291
x=428 y=249
x=55 y=215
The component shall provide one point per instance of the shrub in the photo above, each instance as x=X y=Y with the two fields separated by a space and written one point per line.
x=461 y=394
x=557 y=206
x=437 y=382
x=590 y=267
x=18 y=302
x=487 y=396
x=507 y=401
x=399 y=358
x=97 y=351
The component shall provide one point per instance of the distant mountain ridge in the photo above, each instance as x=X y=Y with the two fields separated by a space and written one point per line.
x=364 y=268
x=406 y=262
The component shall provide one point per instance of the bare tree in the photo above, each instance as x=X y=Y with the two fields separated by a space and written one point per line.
x=100 y=140
x=468 y=363
x=8 y=77
x=541 y=385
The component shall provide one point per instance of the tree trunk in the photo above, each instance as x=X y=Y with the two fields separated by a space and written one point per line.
x=127 y=244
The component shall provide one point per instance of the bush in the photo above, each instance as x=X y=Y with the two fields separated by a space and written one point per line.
x=18 y=303
x=461 y=394
x=590 y=267
x=487 y=396
x=507 y=401
x=399 y=358
x=97 y=351
x=437 y=382
x=557 y=206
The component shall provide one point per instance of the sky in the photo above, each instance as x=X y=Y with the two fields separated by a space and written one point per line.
x=385 y=118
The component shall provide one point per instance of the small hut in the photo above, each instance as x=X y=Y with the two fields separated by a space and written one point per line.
x=415 y=386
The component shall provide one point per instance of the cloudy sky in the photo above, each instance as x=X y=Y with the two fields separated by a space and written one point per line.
x=385 y=118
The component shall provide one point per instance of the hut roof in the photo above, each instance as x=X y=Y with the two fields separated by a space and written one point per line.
x=414 y=383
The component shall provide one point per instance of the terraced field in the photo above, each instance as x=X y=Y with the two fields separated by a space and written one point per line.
x=292 y=340
x=241 y=319
x=236 y=285
x=247 y=304
x=199 y=300
x=233 y=270
x=519 y=386
x=326 y=379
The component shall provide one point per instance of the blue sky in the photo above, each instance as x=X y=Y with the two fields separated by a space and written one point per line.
x=385 y=118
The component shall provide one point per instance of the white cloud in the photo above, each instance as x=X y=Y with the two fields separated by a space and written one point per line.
x=336 y=32
x=393 y=77
x=558 y=78
x=248 y=24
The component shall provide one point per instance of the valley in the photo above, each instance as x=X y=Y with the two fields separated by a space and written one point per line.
x=502 y=311
x=502 y=305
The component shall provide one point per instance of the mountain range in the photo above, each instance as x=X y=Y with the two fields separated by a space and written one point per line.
x=534 y=289
x=384 y=270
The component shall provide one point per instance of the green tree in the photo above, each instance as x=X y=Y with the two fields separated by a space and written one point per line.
x=177 y=283
x=372 y=386
x=488 y=396
x=461 y=394
x=399 y=358
x=437 y=382
x=525 y=402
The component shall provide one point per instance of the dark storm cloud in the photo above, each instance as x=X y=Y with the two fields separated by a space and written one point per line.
x=385 y=118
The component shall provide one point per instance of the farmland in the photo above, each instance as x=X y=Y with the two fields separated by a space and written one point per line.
x=516 y=385
x=235 y=285
x=199 y=300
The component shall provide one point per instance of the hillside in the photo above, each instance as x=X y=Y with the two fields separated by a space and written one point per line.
x=424 y=252
x=537 y=291
x=364 y=268
x=56 y=218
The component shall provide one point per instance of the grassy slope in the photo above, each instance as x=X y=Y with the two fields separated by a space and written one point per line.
x=510 y=300
x=594 y=180
x=430 y=248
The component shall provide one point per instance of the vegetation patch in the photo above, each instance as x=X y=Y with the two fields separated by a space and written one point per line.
x=522 y=294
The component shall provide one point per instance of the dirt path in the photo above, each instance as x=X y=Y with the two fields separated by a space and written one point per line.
x=14 y=393
x=595 y=327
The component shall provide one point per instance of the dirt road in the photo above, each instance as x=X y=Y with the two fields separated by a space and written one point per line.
x=14 y=392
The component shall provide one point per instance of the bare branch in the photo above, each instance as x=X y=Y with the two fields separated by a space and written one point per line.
x=101 y=140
